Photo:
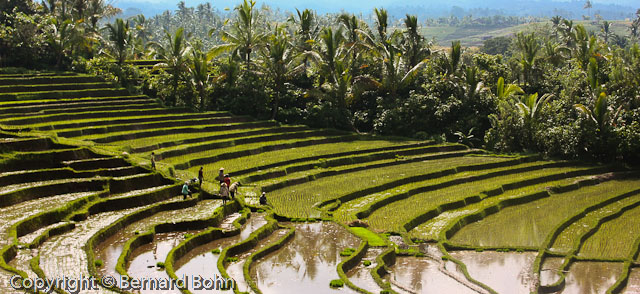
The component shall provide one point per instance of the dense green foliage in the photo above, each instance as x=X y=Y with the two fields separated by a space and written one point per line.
x=561 y=90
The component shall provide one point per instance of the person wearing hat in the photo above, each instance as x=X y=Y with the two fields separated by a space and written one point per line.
x=263 y=199
x=153 y=160
x=224 y=193
x=185 y=190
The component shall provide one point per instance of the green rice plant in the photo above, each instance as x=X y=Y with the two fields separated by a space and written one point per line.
x=614 y=238
x=216 y=251
x=386 y=218
x=138 y=137
x=175 y=135
x=337 y=283
x=160 y=264
x=528 y=224
x=248 y=148
x=299 y=199
x=351 y=164
x=372 y=238
x=276 y=156
x=113 y=120
x=347 y=252
x=98 y=263
x=568 y=238
x=366 y=263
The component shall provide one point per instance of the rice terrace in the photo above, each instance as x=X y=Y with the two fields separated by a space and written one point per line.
x=259 y=150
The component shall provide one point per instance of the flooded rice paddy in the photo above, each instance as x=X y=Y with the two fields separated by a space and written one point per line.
x=307 y=263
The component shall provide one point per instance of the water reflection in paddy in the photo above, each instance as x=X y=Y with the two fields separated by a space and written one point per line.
x=307 y=263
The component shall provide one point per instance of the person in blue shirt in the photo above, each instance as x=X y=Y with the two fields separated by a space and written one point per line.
x=185 y=190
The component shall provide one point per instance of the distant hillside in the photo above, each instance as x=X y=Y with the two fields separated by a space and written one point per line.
x=422 y=8
x=475 y=36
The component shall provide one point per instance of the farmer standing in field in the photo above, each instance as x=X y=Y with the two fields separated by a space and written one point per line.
x=200 y=176
x=220 y=176
x=153 y=160
x=185 y=190
x=227 y=180
x=224 y=193
x=233 y=188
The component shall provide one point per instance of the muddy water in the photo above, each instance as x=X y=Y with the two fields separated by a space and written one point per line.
x=508 y=272
x=64 y=255
x=307 y=263
x=145 y=259
x=235 y=269
x=12 y=214
x=591 y=277
x=138 y=192
x=633 y=286
x=227 y=223
x=202 y=262
x=16 y=187
x=110 y=250
x=549 y=272
x=422 y=275
x=361 y=274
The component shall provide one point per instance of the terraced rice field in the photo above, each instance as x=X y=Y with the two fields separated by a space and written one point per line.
x=78 y=197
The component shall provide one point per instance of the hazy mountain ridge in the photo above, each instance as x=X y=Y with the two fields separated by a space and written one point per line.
x=423 y=9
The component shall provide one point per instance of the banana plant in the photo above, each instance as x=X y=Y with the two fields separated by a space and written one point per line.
x=505 y=91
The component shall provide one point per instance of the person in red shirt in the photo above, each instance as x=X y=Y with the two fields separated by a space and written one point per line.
x=227 y=180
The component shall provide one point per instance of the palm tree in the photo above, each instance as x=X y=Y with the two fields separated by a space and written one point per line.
x=280 y=64
x=382 y=20
x=119 y=40
x=353 y=27
x=529 y=47
x=307 y=29
x=200 y=77
x=245 y=35
x=386 y=51
x=62 y=38
x=335 y=77
x=588 y=5
x=454 y=58
x=306 y=32
x=585 y=47
x=174 y=54
x=555 y=53
x=415 y=49
x=605 y=31
x=555 y=25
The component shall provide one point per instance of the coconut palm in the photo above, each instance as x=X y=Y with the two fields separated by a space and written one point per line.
x=200 y=77
x=174 y=53
x=333 y=67
x=280 y=63
x=605 y=31
x=415 y=48
x=529 y=47
x=245 y=35
x=119 y=41
x=62 y=37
